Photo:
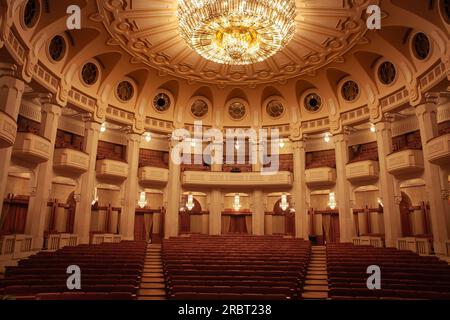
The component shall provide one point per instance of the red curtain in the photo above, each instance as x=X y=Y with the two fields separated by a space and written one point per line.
x=139 y=228
x=334 y=229
x=185 y=222
x=290 y=223
x=15 y=218
x=238 y=225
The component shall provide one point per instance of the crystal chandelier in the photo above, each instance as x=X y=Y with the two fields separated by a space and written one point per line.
x=237 y=32
x=237 y=203
x=284 y=204
x=332 y=201
x=190 y=202
x=142 y=200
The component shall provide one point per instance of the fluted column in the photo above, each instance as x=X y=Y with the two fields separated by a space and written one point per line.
x=173 y=195
x=130 y=188
x=87 y=184
x=299 y=190
x=215 y=212
x=258 y=213
x=11 y=91
x=37 y=207
x=389 y=189
x=343 y=189
x=439 y=205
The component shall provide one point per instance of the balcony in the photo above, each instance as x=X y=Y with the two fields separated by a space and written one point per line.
x=405 y=162
x=439 y=150
x=320 y=177
x=71 y=161
x=225 y=179
x=112 y=169
x=152 y=176
x=8 y=129
x=362 y=171
x=31 y=148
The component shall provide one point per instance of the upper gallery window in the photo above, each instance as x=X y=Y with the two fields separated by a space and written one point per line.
x=350 y=90
x=313 y=102
x=161 y=102
x=125 y=91
x=421 y=46
x=31 y=13
x=199 y=108
x=387 y=72
x=57 y=48
x=89 y=73
x=275 y=108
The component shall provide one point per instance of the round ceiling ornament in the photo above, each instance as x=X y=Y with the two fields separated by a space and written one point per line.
x=31 y=13
x=125 y=91
x=421 y=46
x=89 y=73
x=313 y=102
x=199 y=108
x=387 y=73
x=57 y=48
x=275 y=108
x=162 y=102
x=237 y=109
x=350 y=90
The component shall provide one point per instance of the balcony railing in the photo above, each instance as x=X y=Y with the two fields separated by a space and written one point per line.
x=8 y=130
x=405 y=162
x=439 y=150
x=32 y=148
x=320 y=177
x=100 y=238
x=362 y=171
x=112 y=169
x=417 y=245
x=375 y=241
x=15 y=246
x=53 y=242
x=152 y=176
x=70 y=160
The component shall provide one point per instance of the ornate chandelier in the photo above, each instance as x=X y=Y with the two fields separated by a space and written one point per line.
x=190 y=202
x=142 y=200
x=236 y=32
x=237 y=203
x=284 y=204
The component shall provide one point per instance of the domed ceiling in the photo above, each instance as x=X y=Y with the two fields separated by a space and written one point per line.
x=148 y=30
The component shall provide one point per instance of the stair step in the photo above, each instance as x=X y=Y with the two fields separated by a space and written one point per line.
x=315 y=295
x=317 y=282
x=152 y=292
x=316 y=277
x=152 y=280
x=152 y=275
x=317 y=268
x=153 y=286
x=315 y=288
x=153 y=270
x=312 y=272
x=154 y=298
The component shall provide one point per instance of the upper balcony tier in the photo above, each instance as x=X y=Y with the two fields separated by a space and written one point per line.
x=247 y=179
x=405 y=162
x=8 y=129
x=31 y=148
x=365 y=170
x=112 y=169
x=320 y=177
x=152 y=176
x=71 y=161
x=439 y=150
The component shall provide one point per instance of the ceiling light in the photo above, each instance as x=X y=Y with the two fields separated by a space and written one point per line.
x=281 y=143
x=332 y=201
x=236 y=32
x=373 y=128
x=148 y=136
x=190 y=202
x=237 y=203
x=142 y=200
x=103 y=127
x=284 y=204
x=327 y=137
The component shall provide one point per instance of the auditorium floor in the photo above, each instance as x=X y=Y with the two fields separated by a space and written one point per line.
x=152 y=285
x=316 y=283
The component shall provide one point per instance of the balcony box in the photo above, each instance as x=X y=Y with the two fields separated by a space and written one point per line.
x=31 y=148
x=405 y=162
x=153 y=176
x=72 y=161
x=318 y=177
x=439 y=150
x=112 y=169
x=8 y=130
x=229 y=179
x=362 y=171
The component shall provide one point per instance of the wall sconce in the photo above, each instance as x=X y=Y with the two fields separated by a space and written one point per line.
x=95 y=199
x=281 y=143
x=193 y=143
x=142 y=200
x=103 y=127
x=373 y=129
x=327 y=137
x=332 y=201
x=148 y=136
x=380 y=202
x=190 y=202
x=237 y=146
x=237 y=203
x=284 y=204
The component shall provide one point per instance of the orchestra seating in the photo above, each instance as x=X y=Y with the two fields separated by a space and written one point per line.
x=108 y=271
x=235 y=267
x=404 y=274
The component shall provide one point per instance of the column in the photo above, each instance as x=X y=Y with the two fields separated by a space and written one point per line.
x=389 y=190
x=215 y=212
x=258 y=213
x=130 y=188
x=439 y=205
x=87 y=184
x=254 y=152
x=173 y=196
x=11 y=90
x=37 y=207
x=343 y=189
x=299 y=190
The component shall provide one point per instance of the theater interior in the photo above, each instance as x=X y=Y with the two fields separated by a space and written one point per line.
x=334 y=185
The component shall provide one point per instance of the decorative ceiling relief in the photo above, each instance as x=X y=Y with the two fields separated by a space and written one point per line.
x=162 y=102
x=237 y=109
x=199 y=108
x=275 y=109
x=150 y=33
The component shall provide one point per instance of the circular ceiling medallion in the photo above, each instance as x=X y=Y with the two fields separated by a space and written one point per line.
x=350 y=90
x=199 y=108
x=89 y=73
x=125 y=91
x=31 y=13
x=237 y=110
x=155 y=27
x=275 y=108
x=421 y=46
x=161 y=102
x=57 y=48
x=387 y=72
x=313 y=102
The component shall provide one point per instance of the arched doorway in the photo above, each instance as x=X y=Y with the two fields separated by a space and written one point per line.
x=405 y=205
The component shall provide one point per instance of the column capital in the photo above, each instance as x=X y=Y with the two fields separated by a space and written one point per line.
x=340 y=137
x=134 y=137
x=92 y=125
x=52 y=108
x=298 y=144
x=383 y=126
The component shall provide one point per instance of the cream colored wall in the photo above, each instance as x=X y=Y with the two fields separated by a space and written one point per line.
x=18 y=186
